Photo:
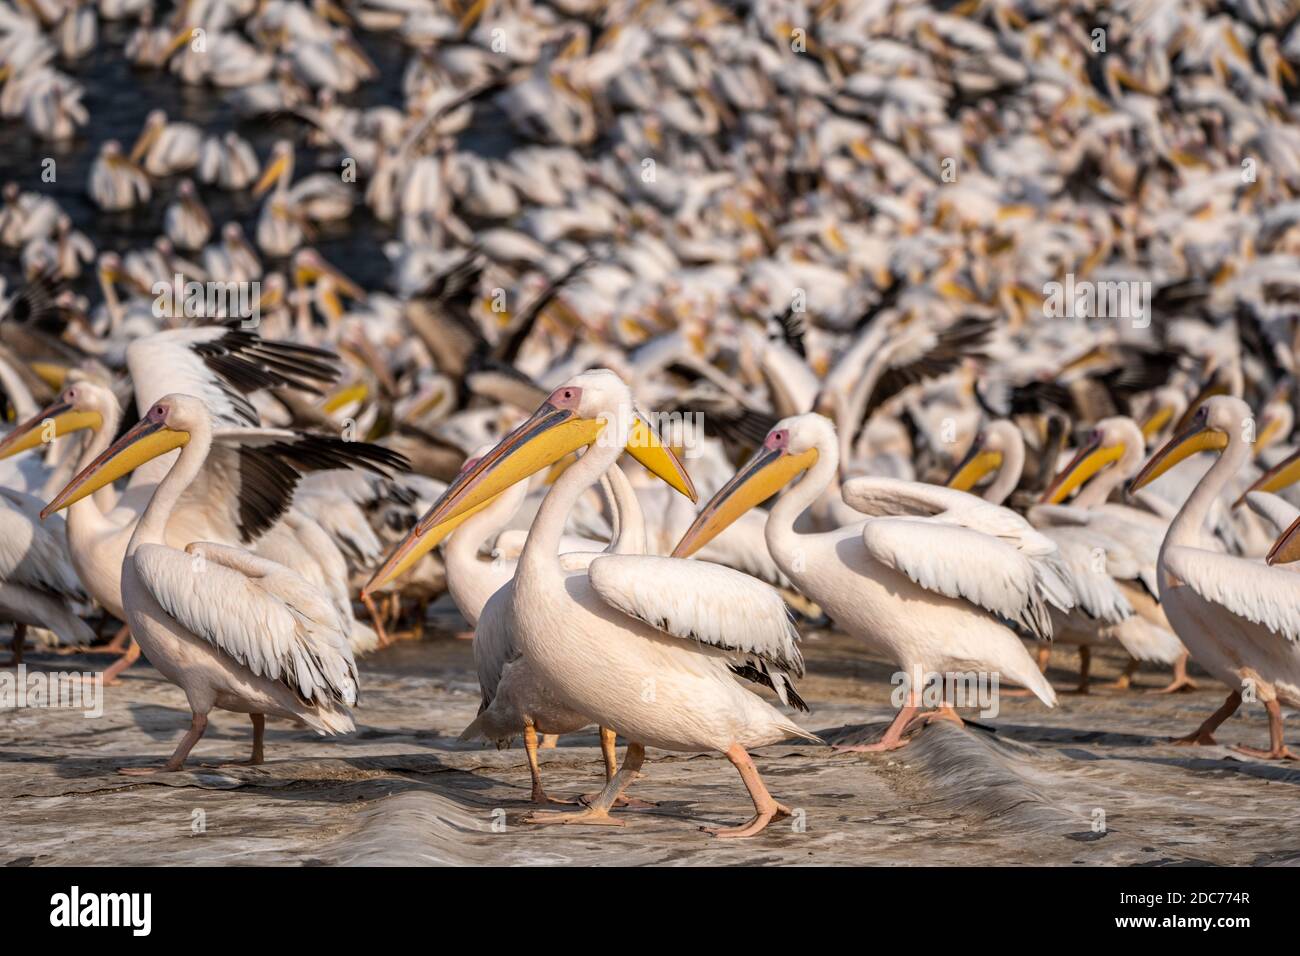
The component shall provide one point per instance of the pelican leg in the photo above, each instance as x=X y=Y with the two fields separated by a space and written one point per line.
x=893 y=738
x=765 y=808
x=598 y=813
x=19 y=639
x=608 y=742
x=1277 y=748
x=377 y=618
x=535 y=770
x=126 y=660
x=198 y=724
x=1204 y=734
x=259 y=739
x=1044 y=656
x=1181 y=681
x=1125 y=680
x=1085 y=668
x=549 y=742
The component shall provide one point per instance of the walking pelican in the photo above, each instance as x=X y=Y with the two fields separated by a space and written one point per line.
x=232 y=630
x=647 y=646
x=936 y=579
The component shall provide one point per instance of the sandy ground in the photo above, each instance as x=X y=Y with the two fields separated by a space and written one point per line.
x=1036 y=788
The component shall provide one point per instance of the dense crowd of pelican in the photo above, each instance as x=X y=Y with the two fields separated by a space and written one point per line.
x=802 y=262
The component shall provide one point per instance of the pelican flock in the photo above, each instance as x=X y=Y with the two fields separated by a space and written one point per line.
x=650 y=344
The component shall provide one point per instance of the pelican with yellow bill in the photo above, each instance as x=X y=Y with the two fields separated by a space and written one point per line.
x=247 y=634
x=909 y=576
x=590 y=640
x=1239 y=618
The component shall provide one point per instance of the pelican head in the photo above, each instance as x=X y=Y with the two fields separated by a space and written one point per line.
x=80 y=406
x=280 y=163
x=789 y=449
x=165 y=427
x=1167 y=405
x=1112 y=440
x=986 y=455
x=1210 y=429
x=574 y=416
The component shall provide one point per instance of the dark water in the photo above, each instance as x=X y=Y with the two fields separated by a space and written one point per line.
x=119 y=96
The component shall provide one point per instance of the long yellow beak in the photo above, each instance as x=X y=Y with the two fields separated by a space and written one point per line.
x=269 y=176
x=51 y=374
x=144 y=442
x=1282 y=475
x=1287 y=547
x=1272 y=428
x=1196 y=439
x=1156 y=421
x=977 y=463
x=766 y=473
x=548 y=436
x=1091 y=458
x=42 y=428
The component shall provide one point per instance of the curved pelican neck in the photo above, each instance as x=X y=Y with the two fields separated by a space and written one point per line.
x=1187 y=528
x=629 y=527
x=1011 y=470
x=779 y=533
x=541 y=550
x=152 y=527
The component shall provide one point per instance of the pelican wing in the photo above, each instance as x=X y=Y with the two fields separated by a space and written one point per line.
x=252 y=473
x=34 y=553
x=262 y=614
x=222 y=364
x=1249 y=589
x=494 y=643
x=960 y=546
x=699 y=601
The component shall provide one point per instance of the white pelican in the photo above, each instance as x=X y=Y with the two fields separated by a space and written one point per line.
x=1109 y=579
x=1236 y=616
x=1111 y=455
x=186 y=221
x=244 y=497
x=232 y=630
x=646 y=646
x=164 y=148
x=289 y=209
x=227 y=161
x=937 y=580
x=117 y=183
x=482 y=592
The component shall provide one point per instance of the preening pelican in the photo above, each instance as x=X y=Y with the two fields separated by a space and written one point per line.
x=232 y=630
x=647 y=646
x=936 y=580
x=1238 y=618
